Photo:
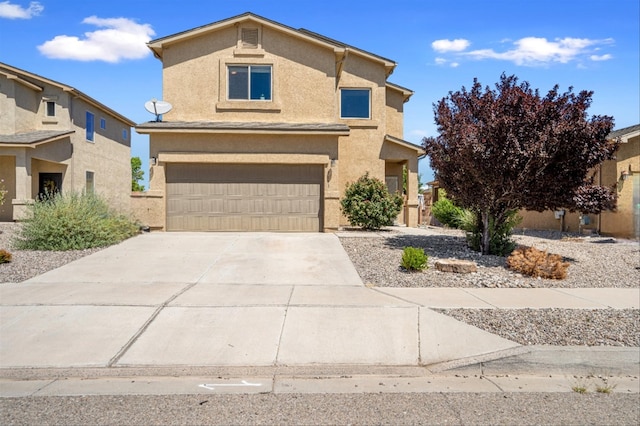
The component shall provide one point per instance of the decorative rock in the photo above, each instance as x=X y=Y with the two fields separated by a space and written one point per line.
x=456 y=265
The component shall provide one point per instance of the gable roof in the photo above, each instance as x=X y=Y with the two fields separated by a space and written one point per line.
x=338 y=47
x=625 y=133
x=34 y=81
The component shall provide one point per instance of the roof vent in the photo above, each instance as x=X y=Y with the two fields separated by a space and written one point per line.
x=249 y=38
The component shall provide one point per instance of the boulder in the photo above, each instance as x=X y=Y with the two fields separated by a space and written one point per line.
x=456 y=265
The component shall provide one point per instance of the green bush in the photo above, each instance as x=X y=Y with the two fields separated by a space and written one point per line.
x=367 y=203
x=73 y=222
x=446 y=212
x=414 y=259
x=5 y=256
x=501 y=243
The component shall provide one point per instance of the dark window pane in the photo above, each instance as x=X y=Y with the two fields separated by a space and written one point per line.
x=89 y=126
x=238 y=82
x=261 y=82
x=51 y=109
x=354 y=103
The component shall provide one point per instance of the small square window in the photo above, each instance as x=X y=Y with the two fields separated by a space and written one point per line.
x=355 y=103
x=90 y=126
x=250 y=82
x=103 y=123
x=51 y=109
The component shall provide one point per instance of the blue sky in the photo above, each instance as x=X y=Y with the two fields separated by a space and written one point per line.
x=99 y=47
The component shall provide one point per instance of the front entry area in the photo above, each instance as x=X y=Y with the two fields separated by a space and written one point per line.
x=244 y=197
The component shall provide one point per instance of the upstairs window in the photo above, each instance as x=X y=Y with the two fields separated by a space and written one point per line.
x=90 y=126
x=125 y=134
x=103 y=123
x=355 y=103
x=51 y=109
x=250 y=82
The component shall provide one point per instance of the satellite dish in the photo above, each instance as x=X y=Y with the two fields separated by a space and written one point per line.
x=157 y=107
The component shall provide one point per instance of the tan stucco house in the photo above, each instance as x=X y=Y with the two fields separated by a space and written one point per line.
x=269 y=124
x=624 y=172
x=55 y=138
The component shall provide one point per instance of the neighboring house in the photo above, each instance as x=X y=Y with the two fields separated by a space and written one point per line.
x=624 y=172
x=55 y=138
x=269 y=124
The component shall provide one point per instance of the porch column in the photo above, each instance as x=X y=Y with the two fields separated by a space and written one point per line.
x=23 y=185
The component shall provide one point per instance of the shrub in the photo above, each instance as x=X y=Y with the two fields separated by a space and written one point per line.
x=367 y=203
x=536 y=263
x=73 y=222
x=414 y=259
x=5 y=256
x=446 y=212
x=501 y=242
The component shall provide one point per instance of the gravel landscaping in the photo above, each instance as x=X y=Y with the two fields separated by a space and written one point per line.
x=27 y=264
x=594 y=261
x=559 y=327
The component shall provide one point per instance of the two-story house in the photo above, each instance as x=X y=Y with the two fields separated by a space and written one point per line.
x=268 y=126
x=55 y=138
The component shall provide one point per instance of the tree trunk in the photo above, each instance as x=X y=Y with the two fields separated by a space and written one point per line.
x=485 y=244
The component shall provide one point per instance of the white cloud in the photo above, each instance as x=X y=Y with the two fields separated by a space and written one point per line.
x=445 y=45
x=601 y=57
x=537 y=50
x=120 y=38
x=14 y=11
x=441 y=61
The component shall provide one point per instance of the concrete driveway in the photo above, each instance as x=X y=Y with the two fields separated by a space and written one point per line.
x=223 y=299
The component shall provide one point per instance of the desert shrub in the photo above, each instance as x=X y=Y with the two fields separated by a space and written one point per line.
x=414 y=259
x=501 y=242
x=537 y=263
x=73 y=222
x=446 y=212
x=5 y=256
x=368 y=203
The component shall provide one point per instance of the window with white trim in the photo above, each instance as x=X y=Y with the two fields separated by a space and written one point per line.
x=249 y=82
x=90 y=125
x=355 y=103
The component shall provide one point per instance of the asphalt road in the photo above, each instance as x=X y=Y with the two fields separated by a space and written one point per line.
x=323 y=409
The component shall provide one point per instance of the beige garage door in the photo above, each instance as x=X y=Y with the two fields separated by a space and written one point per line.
x=232 y=197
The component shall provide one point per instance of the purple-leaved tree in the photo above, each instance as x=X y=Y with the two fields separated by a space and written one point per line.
x=503 y=149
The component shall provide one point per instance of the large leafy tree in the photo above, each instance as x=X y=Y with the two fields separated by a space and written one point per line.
x=508 y=148
x=137 y=174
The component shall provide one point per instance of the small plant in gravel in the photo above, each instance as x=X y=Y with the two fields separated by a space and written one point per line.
x=579 y=389
x=537 y=263
x=368 y=203
x=5 y=256
x=414 y=259
x=73 y=222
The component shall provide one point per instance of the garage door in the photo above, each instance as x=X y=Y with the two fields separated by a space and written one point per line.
x=231 y=197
